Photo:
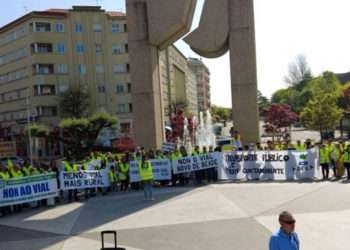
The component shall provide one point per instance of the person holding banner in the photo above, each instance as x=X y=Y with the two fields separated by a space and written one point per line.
x=173 y=157
x=146 y=177
x=4 y=177
x=346 y=159
x=123 y=175
x=71 y=169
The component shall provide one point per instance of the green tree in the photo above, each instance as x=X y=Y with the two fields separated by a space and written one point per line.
x=321 y=113
x=37 y=130
x=263 y=103
x=326 y=83
x=74 y=102
x=220 y=113
x=80 y=134
x=288 y=96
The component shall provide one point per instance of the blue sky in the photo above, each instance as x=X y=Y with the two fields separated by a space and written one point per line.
x=284 y=28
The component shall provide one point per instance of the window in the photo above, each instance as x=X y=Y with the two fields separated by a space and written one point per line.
x=13 y=75
x=101 y=89
x=121 y=108
x=78 y=28
x=129 y=87
x=80 y=48
x=119 y=68
x=126 y=48
x=99 y=68
x=42 y=27
x=46 y=111
x=125 y=27
x=116 y=49
x=115 y=28
x=59 y=27
x=120 y=88
x=13 y=56
x=82 y=69
x=62 y=68
x=96 y=27
x=43 y=69
x=125 y=127
x=40 y=90
x=98 y=48
x=130 y=107
x=60 y=48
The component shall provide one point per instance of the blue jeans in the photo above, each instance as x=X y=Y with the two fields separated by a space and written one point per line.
x=147 y=190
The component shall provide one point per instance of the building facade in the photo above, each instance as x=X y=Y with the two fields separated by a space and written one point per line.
x=45 y=52
x=179 y=83
x=203 y=83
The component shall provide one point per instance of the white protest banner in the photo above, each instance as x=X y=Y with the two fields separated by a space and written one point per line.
x=161 y=170
x=268 y=165
x=168 y=146
x=84 y=179
x=195 y=163
x=28 y=189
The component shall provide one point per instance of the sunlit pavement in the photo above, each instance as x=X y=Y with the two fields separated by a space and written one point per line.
x=218 y=216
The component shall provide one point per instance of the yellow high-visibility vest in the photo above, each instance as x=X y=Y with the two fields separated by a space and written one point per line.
x=324 y=156
x=145 y=171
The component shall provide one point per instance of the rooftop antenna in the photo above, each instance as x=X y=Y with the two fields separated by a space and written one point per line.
x=26 y=10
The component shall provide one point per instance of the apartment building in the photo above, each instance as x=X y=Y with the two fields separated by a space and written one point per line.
x=203 y=83
x=179 y=83
x=44 y=52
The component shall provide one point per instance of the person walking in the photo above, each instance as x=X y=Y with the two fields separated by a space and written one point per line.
x=285 y=238
x=146 y=177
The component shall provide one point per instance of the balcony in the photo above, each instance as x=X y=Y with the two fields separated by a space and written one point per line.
x=41 y=48
x=43 y=69
x=42 y=27
x=43 y=90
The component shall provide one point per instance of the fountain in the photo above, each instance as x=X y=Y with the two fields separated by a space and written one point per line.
x=205 y=136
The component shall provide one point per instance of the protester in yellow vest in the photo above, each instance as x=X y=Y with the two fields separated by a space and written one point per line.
x=146 y=176
x=27 y=168
x=113 y=179
x=336 y=156
x=4 y=177
x=346 y=160
x=299 y=146
x=330 y=148
x=68 y=167
x=16 y=172
x=124 y=174
x=4 y=173
x=324 y=161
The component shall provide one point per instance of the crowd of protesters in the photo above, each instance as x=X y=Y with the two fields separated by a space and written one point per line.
x=332 y=155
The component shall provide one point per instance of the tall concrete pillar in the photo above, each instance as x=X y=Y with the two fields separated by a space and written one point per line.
x=230 y=24
x=243 y=69
x=144 y=68
x=152 y=25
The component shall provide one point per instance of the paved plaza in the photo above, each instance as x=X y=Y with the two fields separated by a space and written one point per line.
x=219 y=216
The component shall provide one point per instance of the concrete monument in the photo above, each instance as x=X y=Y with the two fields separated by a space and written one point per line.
x=229 y=25
x=152 y=25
